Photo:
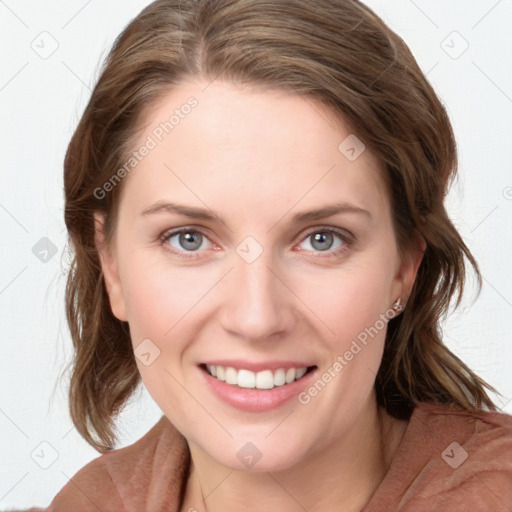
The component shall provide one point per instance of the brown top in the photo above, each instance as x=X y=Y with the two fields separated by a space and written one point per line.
x=447 y=460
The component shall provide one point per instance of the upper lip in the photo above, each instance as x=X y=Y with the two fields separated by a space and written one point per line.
x=253 y=366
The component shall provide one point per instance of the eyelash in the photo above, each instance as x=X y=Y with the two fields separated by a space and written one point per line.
x=346 y=238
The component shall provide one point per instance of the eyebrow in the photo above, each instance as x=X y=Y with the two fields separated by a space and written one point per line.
x=207 y=214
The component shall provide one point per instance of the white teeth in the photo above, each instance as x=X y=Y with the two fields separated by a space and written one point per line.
x=279 y=377
x=246 y=379
x=231 y=376
x=300 y=372
x=221 y=374
x=290 y=375
x=266 y=379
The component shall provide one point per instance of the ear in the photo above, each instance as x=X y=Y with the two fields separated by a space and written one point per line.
x=109 y=268
x=410 y=263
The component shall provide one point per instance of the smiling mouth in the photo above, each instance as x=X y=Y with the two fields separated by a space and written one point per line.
x=266 y=379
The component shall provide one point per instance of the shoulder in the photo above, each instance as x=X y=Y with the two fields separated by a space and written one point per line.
x=451 y=459
x=475 y=429
x=480 y=441
x=473 y=453
x=121 y=480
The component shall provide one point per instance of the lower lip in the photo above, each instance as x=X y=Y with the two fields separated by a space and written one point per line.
x=256 y=400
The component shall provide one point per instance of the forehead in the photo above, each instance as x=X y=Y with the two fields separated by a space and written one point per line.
x=260 y=151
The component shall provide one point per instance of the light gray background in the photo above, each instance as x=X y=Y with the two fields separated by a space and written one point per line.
x=41 y=100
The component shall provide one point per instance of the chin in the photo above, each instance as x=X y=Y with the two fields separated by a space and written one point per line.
x=257 y=456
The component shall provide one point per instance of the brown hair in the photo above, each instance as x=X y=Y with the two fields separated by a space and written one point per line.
x=337 y=52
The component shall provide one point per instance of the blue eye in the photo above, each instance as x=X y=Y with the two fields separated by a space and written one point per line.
x=328 y=240
x=188 y=242
x=323 y=241
x=184 y=240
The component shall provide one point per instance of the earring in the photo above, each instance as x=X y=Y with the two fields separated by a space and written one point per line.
x=397 y=305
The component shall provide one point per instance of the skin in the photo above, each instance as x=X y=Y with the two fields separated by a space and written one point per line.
x=256 y=158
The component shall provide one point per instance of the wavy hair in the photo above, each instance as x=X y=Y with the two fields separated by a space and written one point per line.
x=337 y=52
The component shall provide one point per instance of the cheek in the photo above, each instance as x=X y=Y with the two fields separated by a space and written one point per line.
x=162 y=303
x=348 y=300
x=159 y=295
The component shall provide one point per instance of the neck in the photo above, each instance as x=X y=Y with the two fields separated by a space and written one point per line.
x=347 y=471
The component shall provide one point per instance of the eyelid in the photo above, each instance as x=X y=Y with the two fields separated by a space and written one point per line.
x=343 y=233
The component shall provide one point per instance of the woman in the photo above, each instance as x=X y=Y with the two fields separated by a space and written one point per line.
x=254 y=197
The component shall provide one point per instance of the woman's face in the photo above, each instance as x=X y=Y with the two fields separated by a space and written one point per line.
x=287 y=260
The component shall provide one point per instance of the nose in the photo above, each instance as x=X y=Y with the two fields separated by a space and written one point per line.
x=258 y=305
